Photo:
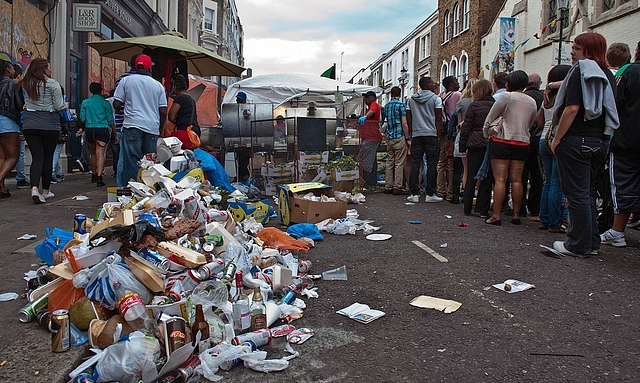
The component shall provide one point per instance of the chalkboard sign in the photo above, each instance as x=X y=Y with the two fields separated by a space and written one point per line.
x=312 y=134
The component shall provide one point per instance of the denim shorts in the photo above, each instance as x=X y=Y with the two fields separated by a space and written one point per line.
x=7 y=125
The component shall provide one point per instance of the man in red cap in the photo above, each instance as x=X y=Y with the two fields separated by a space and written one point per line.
x=145 y=114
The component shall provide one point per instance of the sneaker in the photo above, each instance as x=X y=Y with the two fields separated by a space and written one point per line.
x=37 y=197
x=607 y=238
x=413 y=198
x=559 y=247
x=49 y=195
x=23 y=184
x=634 y=221
x=433 y=198
x=80 y=165
x=54 y=180
x=60 y=178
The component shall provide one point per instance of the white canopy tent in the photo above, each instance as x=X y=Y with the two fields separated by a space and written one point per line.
x=281 y=88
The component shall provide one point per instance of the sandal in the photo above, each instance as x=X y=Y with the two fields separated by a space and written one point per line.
x=543 y=227
x=558 y=230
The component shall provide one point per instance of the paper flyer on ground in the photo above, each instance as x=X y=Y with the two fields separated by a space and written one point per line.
x=360 y=312
x=514 y=286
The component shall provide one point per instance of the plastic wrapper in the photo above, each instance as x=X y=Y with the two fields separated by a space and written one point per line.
x=100 y=287
x=77 y=337
x=278 y=239
x=64 y=296
x=307 y=230
x=238 y=255
x=133 y=233
x=257 y=360
x=131 y=359
x=209 y=293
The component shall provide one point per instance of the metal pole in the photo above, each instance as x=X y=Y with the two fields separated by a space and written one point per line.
x=560 y=13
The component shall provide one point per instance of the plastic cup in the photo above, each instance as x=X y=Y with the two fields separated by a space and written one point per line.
x=338 y=274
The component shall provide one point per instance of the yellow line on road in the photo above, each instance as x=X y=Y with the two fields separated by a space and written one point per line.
x=430 y=251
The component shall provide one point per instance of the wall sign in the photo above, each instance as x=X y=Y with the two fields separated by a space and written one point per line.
x=86 y=17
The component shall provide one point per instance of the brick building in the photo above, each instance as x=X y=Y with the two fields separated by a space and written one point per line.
x=462 y=23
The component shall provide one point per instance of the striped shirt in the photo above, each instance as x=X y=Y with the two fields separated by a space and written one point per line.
x=393 y=111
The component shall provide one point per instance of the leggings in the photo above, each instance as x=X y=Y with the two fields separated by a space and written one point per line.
x=42 y=144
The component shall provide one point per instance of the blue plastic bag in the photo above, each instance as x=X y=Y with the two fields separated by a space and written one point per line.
x=308 y=230
x=46 y=248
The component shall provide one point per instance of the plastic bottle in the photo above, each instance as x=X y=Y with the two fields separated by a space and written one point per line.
x=133 y=310
x=202 y=326
x=241 y=313
x=258 y=311
x=296 y=287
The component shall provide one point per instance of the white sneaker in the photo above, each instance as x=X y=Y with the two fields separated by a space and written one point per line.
x=558 y=246
x=413 y=198
x=49 y=195
x=607 y=238
x=432 y=198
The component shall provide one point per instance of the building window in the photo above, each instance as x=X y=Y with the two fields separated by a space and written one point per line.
x=388 y=72
x=209 y=16
x=464 y=69
x=467 y=12
x=425 y=46
x=456 y=19
x=405 y=58
x=608 y=5
x=454 y=68
x=447 y=22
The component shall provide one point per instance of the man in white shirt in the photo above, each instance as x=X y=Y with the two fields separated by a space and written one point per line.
x=145 y=114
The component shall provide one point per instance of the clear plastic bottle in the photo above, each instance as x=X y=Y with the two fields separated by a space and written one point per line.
x=133 y=310
x=241 y=313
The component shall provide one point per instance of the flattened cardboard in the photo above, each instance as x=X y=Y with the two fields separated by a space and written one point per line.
x=426 y=302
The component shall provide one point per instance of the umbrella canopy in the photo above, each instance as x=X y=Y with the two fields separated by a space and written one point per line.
x=200 y=61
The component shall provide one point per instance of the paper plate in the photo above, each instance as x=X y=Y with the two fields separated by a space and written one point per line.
x=378 y=237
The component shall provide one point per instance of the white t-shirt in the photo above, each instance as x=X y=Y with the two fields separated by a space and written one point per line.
x=142 y=97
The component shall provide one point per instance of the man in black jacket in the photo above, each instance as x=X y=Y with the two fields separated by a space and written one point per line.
x=624 y=156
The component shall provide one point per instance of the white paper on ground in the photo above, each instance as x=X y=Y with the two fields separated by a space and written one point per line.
x=27 y=237
x=445 y=305
x=516 y=286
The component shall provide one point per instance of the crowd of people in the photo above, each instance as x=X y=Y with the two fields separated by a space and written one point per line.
x=509 y=140
x=129 y=121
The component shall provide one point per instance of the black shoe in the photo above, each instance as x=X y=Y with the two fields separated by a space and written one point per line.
x=494 y=223
x=80 y=165
x=99 y=182
x=388 y=191
x=94 y=178
x=400 y=192
x=23 y=184
x=455 y=201
x=516 y=221
x=4 y=195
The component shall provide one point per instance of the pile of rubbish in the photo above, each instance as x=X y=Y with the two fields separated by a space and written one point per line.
x=165 y=285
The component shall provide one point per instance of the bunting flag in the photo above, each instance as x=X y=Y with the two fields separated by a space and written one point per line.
x=507 y=35
x=330 y=73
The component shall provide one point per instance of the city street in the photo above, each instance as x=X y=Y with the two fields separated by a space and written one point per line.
x=578 y=324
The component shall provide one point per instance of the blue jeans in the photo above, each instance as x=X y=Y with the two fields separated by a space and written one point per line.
x=115 y=151
x=578 y=160
x=57 y=170
x=134 y=145
x=20 y=176
x=551 y=199
x=429 y=147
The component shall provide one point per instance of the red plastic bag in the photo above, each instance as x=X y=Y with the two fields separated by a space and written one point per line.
x=278 y=239
x=64 y=296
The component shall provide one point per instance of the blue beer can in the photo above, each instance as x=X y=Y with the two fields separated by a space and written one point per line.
x=154 y=258
x=80 y=223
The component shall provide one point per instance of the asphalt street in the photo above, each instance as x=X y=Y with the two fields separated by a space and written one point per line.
x=578 y=324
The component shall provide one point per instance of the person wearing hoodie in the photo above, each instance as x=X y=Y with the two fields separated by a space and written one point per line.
x=424 y=117
x=585 y=119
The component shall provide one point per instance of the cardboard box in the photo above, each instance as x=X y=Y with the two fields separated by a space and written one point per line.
x=125 y=218
x=345 y=175
x=298 y=210
x=114 y=192
x=258 y=160
x=277 y=170
x=316 y=159
x=343 y=186
x=245 y=210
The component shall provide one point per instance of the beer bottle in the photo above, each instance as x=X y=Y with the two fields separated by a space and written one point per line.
x=200 y=325
x=258 y=311
x=241 y=313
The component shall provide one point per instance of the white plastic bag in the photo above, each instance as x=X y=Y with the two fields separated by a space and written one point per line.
x=128 y=361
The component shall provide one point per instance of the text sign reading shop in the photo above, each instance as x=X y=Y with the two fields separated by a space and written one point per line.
x=86 y=17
